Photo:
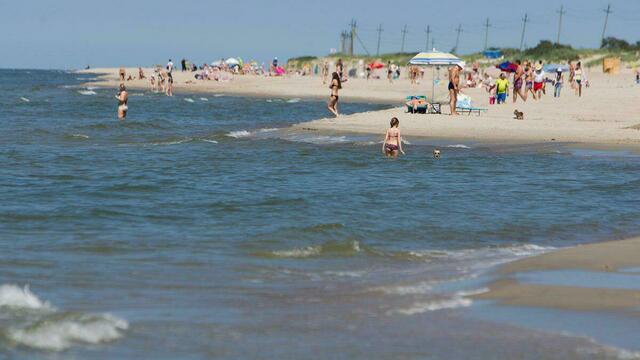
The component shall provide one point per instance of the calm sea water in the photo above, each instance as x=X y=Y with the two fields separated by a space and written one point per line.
x=201 y=227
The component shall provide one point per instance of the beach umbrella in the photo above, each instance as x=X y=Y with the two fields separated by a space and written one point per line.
x=435 y=59
x=492 y=71
x=232 y=62
x=376 y=65
x=508 y=67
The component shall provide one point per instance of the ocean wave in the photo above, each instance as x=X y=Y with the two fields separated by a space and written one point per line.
x=204 y=99
x=31 y=322
x=86 y=92
x=25 y=99
x=266 y=130
x=458 y=300
x=330 y=248
x=189 y=100
x=415 y=289
x=318 y=139
x=78 y=136
x=16 y=297
x=61 y=331
x=458 y=146
x=294 y=100
x=239 y=134
x=171 y=142
x=218 y=95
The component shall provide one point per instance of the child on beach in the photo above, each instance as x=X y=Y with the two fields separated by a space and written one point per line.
x=538 y=82
x=558 y=84
x=502 y=88
x=490 y=86
x=393 y=140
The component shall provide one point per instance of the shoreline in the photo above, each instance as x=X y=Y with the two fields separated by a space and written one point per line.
x=602 y=118
x=597 y=276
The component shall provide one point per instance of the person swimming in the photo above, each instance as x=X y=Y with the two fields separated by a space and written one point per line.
x=393 y=140
x=123 y=99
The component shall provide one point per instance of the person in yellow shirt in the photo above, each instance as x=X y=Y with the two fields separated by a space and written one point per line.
x=502 y=88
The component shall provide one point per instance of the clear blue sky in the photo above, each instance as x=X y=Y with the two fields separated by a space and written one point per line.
x=68 y=34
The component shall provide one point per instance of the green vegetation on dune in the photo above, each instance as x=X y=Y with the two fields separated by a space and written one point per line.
x=546 y=51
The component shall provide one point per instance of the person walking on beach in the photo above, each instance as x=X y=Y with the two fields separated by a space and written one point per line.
x=183 y=64
x=336 y=85
x=579 y=77
x=528 y=76
x=392 y=143
x=538 y=82
x=572 y=74
x=502 y=88
x=122 y=74
x=170 y=66
x=325 y=72
x=340 y=69
x=389 y=72
x=123 y=100
x=454 y=86
x=518 y=82
x=558 y=83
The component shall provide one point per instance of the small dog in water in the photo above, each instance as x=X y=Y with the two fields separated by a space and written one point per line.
x=519 y=114
x=436 y=153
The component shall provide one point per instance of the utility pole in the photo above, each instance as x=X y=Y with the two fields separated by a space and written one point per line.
x=524 y=29
x=486 y=34
x=353 y=36
x=380 y=30
x=561 y=12
x=428 y=31
x=606 y=20
x=404 y=35
x=458 y=30
x=342 y=41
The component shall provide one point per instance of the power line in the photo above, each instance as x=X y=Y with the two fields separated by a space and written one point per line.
x=486 y=35
x=379 y=30
x=524 y=28
x=606 y=20
x=561 y=12
x=353 y=35
x=404 y=34
x=459 y=31
x=428 y=31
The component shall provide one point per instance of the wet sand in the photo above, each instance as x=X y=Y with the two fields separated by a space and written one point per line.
x=608 y=259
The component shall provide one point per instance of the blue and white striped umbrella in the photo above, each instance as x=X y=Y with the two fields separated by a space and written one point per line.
x=436 y=58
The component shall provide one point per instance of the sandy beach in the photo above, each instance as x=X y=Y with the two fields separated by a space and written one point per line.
x=606 y=115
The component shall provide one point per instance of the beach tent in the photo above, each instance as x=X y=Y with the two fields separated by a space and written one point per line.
x=508 y=66
x=492 y=54
x=435 y=59
x=376 y=65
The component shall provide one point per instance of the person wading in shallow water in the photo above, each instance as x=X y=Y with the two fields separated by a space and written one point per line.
x=393 y=140
x=123 y=99
x=336 y=85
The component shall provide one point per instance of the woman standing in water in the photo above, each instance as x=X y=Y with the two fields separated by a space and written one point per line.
x=393 y=140
x=336 y=84
x=123 y=99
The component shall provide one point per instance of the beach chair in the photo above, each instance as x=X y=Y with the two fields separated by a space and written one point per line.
x=465 y=106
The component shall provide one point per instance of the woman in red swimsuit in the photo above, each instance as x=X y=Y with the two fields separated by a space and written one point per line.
x=393 y=140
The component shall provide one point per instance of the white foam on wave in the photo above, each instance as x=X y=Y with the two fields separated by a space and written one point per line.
x=25 y=99
x=294 y=100
x=61 y=333
x=485 y=252
x=210 y=141
x=86 y=92
x=299 y=253
x=171 y=142
x=415 y=289
x=458 y=146
x=458 y=300
x=16 y=297
x=348 y=274
x=321 y=139
x=204 y=99
x=239 y=134
x=81 y=136
x=268 y=130
x=218 y=95
x=49 y=329
x=189 y=100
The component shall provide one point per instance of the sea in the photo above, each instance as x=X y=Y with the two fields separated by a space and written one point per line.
x=205 y=227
